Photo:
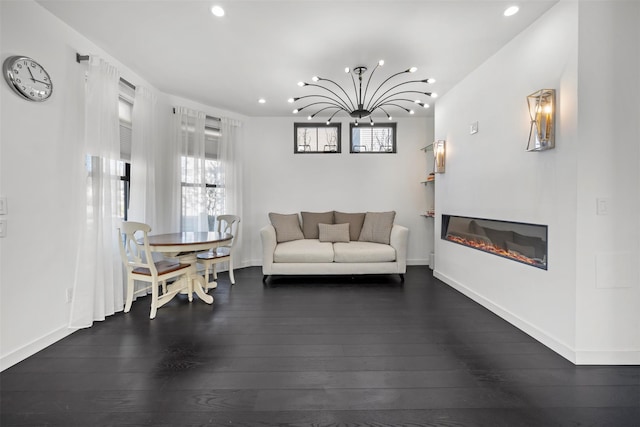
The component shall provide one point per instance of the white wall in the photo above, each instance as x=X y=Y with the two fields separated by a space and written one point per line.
x=490 y=175
x=277 y=180
x=36 y=146
x=608 y=272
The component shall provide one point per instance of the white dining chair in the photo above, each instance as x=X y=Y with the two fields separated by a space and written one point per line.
x=139 y=264
x=226 y=224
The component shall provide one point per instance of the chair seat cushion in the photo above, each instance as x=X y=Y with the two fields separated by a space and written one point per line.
x=163 y=267
x=363 y=252
x=304 y=250
x=213 y=254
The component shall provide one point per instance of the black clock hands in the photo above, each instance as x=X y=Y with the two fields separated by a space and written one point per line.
x=36 y=80
x=32 y=78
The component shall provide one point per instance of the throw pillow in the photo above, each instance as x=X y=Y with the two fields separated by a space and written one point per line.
x=287 y=227
x=334 y=232
x=377 y=227
x=310 y=221
x=355 y=221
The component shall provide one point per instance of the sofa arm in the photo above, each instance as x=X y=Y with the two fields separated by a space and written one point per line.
x=268 y=236
x=399 y=241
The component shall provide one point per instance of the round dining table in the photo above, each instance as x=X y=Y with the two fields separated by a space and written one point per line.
x=186 y=246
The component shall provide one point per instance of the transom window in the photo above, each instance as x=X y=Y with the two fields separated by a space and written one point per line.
x=316 y=138
x=376 y=138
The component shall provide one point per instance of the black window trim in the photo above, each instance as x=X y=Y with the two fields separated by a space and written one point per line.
x=316 y=125
x=392 y=125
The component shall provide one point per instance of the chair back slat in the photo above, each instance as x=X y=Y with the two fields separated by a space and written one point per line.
x=135 y=255
x=229 y=224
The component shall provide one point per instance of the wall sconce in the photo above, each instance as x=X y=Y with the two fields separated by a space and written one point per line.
x=542 y=111
x=439 y=154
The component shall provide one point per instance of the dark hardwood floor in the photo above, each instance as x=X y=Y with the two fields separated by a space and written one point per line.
x=321 y=351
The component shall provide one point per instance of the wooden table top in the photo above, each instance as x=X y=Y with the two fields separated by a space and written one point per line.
x=188 y=238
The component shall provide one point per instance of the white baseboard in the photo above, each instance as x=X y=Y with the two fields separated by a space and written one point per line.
x=18 y=355
x=553 y=343
x=594 y=357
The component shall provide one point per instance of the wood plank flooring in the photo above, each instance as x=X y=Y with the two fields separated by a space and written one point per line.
x=319 y=351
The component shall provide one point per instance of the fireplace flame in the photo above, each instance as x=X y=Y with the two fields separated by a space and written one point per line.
x=496 y=250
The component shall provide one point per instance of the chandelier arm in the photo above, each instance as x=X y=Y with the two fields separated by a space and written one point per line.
x=327 y=108
x=382 y=84
x=337 y=111
x=366 y=89
x=336 y=105
x=338 y=98
x=385 y=111
x=390 y=89
x=340 y=87
x=395 y=105
x=381 y=101
x=355 y=87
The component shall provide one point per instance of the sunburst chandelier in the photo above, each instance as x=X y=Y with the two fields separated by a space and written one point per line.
x=334 y=99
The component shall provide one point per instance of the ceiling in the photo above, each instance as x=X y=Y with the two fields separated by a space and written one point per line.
x=262 y=48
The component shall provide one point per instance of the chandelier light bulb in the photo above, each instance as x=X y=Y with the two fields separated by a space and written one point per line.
x=301 y=84
x=328 y=122
x=381 y=62
x=315 y=78
x=425 y=105
x=346 y=70
x=411 y=112
x=431 y=80
x=413 y=69
x=309 y=117
x=434 y=95
x=417 y=101
x=295 y=111
x=290 y=100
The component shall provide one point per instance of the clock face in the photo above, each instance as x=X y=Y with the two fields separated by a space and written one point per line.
x=27 y=78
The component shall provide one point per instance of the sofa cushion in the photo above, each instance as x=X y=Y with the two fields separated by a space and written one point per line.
x=334 y=232
x=305 y=250
x=355 y=221
x=310 y=221
x=287 y=227
x=363 y=252
x=377 y=227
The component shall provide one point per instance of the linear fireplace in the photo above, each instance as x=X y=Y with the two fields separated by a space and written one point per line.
x=526 y=243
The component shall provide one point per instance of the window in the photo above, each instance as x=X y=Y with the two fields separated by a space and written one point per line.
x=123 y=167
x=376 y=138
x=316 y=138
x=209 y=197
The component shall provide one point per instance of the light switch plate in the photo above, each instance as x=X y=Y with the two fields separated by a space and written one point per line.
x=473 y=128
x=3 y=227
x=4 y=209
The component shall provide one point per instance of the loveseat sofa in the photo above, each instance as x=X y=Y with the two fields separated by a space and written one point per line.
x=330 y=243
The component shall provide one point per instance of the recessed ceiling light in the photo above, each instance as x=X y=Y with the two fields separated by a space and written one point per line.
x=262 y=100
x=217 y=11
x=511 y=10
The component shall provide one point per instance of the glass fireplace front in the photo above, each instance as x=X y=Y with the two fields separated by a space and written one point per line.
x=525 y=243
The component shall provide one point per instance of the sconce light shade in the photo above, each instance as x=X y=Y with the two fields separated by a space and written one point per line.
x=439 y=154
x=542 y=112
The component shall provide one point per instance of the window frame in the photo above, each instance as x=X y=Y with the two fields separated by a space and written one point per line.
x=392 y=125
x=337 y=126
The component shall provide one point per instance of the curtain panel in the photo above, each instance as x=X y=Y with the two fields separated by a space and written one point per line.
x=98 y=287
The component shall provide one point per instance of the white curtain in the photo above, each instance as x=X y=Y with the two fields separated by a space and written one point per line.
x=142 y=205
x=189 y=162
x=98 y=286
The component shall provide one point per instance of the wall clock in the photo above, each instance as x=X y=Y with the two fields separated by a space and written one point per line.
x=27 y=78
